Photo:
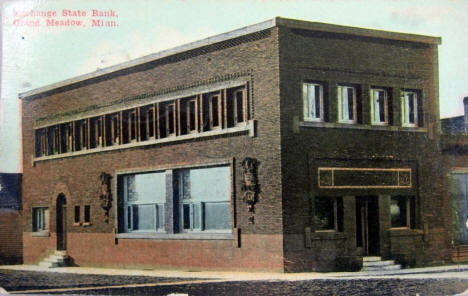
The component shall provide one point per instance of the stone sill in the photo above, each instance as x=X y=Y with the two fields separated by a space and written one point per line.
x=40 y=234
x=249 y=126
x=327 y=235
x=176 y=236
x=363 y=126
x=405 y=231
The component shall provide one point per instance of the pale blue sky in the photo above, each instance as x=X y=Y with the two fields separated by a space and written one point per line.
x=34 y=57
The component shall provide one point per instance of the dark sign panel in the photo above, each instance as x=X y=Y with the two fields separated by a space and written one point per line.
x=10 y=191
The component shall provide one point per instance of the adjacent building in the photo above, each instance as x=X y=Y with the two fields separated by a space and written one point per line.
x=286 y=145
x=11 y=232
x=454 y=145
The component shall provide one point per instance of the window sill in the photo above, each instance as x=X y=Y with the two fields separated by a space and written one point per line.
x=362 y=126
x=87 y=224
x=40 y=234
x=176 y=236
x=404 y=231
x=327 y=235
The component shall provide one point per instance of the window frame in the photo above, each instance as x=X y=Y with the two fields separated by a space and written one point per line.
x=306 y=101
x=410 y=215
x=404 y=108
x=337 y=214
x=172 y=228
x=40 y=222
x=341 y=104
x=375 y=106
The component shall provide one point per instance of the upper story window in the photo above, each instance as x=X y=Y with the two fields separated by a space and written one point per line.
x=379 y=102
x=409 y=108
x=221 y=111
x=347 y=104
x=312 y=97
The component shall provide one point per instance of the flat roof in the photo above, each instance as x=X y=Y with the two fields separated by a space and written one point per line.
x=278 y=21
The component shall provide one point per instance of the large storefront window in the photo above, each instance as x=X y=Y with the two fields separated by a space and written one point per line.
x=459 y=192
x=204 y=195
x=200 y=198
x=328 y=213
x=402 y=211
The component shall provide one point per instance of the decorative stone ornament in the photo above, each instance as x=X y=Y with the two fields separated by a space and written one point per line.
x=250 y=186
x=106 y=194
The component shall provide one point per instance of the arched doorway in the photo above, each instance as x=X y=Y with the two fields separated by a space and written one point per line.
x=61 y=216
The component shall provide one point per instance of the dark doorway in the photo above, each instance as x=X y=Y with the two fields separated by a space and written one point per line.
x=367 y=225
x=61 y=214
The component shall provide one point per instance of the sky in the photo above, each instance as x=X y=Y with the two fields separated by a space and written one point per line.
x=35 y=54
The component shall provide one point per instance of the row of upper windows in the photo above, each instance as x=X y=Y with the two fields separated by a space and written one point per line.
x=349 y=105
x=195 y=114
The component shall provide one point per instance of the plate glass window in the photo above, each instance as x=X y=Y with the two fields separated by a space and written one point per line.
x=379 y=106
x=347 y=108
x=312 y=94
x=144 y=197
x=204 y=195
x=409 y=109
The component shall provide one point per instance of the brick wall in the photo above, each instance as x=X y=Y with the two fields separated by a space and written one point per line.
x=11 y=243
x=78 y=177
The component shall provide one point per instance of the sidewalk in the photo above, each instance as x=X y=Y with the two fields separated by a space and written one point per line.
x=458 y=271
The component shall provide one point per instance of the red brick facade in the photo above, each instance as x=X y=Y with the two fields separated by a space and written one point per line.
x=272 y=63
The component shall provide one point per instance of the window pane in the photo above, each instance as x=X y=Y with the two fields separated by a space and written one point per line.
x=186 y=215
x=151 y=187
x=196 y=215
x=381 y=104
x=350 y=99
x=398 y=211
x=87 y=214
x=144 y=217
x=77 y=214
x=324 y=213
x=210 y=184
x=411 y=107
x=217 y=216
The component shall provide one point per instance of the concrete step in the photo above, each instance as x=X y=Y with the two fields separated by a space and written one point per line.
x=371 y=258
x=382 y=268
x=378 y=263
x=56 y=259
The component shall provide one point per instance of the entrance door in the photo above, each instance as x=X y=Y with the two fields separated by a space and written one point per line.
x=61 y=214
x=367 y=225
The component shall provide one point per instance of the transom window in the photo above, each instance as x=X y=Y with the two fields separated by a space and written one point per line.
x=379 y=106
x=312 y=97
x=409 y=108
x=347 y=104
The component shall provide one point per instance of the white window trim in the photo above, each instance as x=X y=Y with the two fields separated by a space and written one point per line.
x=310 y=104
x=405 y=109
x=375 y=111
x=342 y=111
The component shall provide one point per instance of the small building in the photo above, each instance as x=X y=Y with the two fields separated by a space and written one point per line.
x=11 y=230
x=285 y=146
x=454 y=143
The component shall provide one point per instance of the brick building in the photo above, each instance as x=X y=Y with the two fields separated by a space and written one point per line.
x=285 y=145
x=454 y=143
x=11 y=247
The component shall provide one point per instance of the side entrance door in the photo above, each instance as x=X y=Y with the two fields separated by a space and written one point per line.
x=61 y=214
x=367 y=225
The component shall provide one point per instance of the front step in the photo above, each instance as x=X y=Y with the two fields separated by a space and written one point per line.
x=374 y=263
x=56 y=259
